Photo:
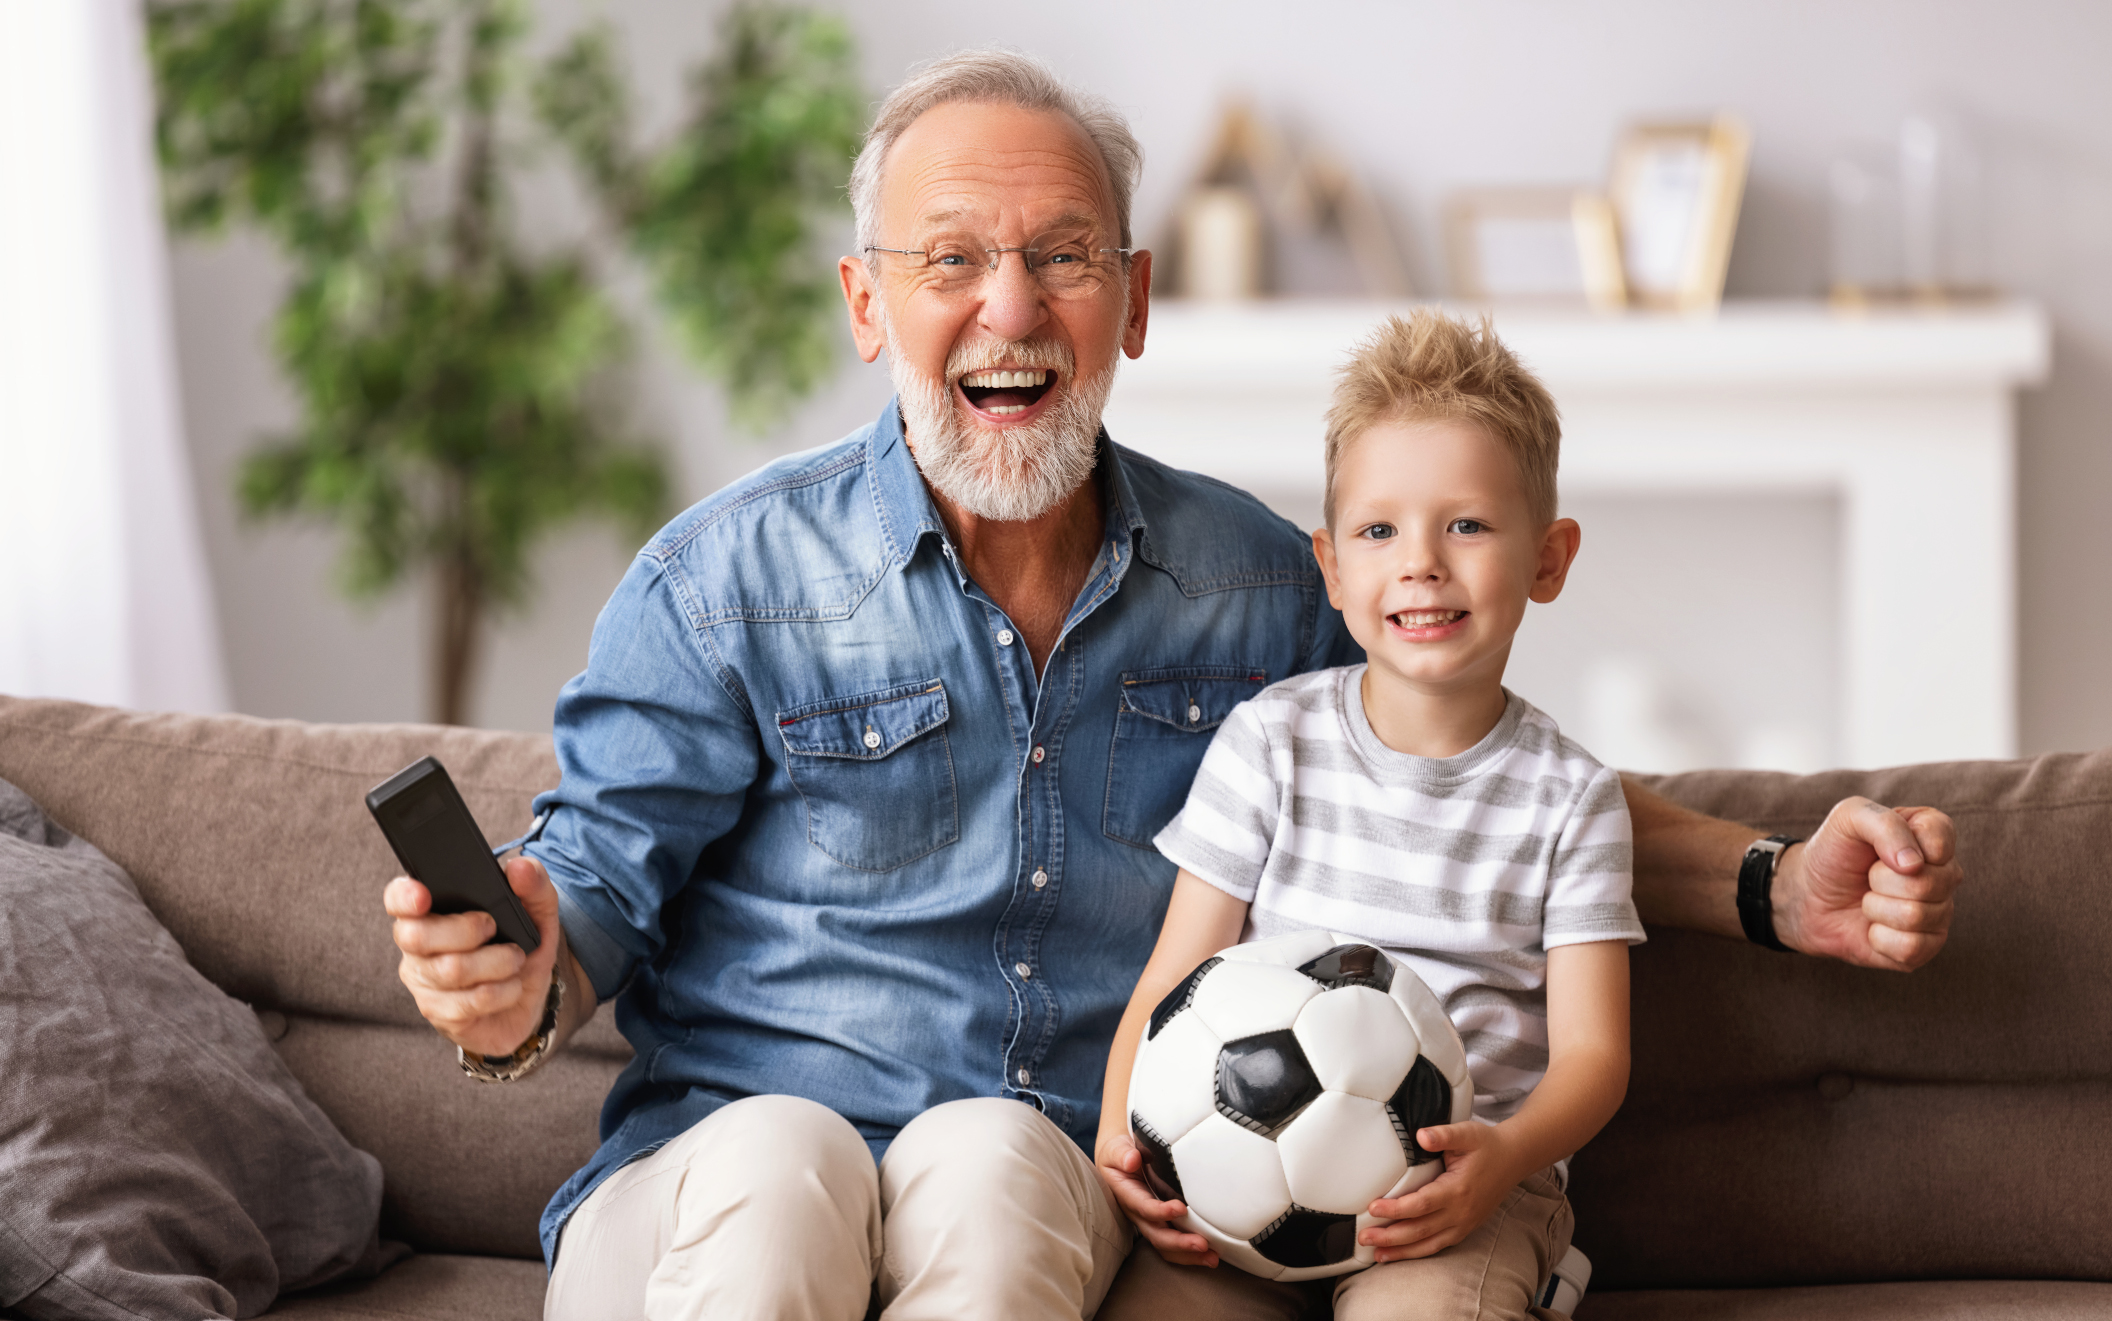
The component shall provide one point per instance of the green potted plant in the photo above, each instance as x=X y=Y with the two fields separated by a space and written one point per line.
x=461 y=391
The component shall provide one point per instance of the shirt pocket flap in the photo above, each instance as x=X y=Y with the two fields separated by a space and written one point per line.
x=1193 y=699
x=866 y=727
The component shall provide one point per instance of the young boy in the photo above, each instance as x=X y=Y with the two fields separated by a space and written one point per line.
x=1415 y=803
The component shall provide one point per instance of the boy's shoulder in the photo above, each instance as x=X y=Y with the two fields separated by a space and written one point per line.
x=1299 y=699
x=1537 y=735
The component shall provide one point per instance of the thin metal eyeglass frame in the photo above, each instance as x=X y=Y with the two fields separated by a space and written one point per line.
x=996 y=255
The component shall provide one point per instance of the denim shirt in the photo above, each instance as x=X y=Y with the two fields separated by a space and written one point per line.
x=821 y=831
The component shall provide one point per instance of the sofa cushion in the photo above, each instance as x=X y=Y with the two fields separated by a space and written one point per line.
x=1794 y=1121
x=156 y=1158
x=1919 y=1300
x=470 y=1165
x=429 y=1288
x=249 y=839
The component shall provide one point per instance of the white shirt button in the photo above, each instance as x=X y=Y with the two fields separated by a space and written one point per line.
x=1024 y=1077
x=1004 y=637
x=1195 y=713
x=1041 y=878
x=872 y=739
x=1023 y=970
x=1038 y=754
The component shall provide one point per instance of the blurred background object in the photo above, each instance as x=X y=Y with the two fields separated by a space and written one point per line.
x=1736 y=592
x=462 y=390
x=1265 y=214
x=105 y=593
x=1676 y=190
x=1658 y=236
x=1909 y=219
x=1541 y=245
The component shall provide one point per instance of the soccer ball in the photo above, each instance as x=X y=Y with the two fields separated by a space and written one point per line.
x=1278 y=1090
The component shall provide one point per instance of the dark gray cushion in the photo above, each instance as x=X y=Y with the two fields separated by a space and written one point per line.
x=156 y=1158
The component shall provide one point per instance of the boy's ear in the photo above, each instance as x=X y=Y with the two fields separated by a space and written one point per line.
x=1558 y=550
x=1324 y=551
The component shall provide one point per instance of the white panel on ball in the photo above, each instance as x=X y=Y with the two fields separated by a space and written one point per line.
x=1237 y=1174
x=1340 y=1154
x=1173 y=1085
x=1416 y=1177
x=1440 y=1040
x=1244 y=999
x=1289 y=950
x=1357 y=1041
x=1232 y=1251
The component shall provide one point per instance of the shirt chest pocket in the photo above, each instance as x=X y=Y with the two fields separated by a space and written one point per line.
x=876 y=773
x=1162 y=728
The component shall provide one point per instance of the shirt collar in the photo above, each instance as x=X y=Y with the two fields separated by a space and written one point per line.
x=905 y=506
x=909 y=514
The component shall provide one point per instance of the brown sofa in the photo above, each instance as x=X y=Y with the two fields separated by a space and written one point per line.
x=1800 y=1139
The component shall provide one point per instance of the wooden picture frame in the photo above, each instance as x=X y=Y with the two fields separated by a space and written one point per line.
x=1675 y=191
x=1537 y=245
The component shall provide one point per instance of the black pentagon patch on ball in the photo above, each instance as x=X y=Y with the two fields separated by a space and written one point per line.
x=1351 y=965
x=1159 y=1172
x=1301 y=1238
x=1180 y=997
x=1423 y=1100
x=1264 y=1081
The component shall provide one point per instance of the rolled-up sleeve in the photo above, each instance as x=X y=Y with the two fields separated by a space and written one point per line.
x=656 y=749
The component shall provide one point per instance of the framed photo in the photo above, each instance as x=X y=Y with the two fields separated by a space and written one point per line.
x=1675 y=192
x=1545 y=245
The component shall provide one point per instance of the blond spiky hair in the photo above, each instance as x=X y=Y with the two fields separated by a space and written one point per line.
x=1429 y=367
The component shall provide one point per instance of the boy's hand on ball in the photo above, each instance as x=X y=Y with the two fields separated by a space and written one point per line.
x=1121 y=1167
x=1477 y=1176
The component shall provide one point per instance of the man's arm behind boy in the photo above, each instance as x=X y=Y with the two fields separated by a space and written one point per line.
x=1872 y=886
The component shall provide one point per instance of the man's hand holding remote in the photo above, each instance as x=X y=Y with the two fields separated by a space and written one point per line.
x=486 y=998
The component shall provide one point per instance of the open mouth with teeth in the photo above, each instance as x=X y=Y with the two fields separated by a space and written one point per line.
x=1006 y=393
x=1425 y=622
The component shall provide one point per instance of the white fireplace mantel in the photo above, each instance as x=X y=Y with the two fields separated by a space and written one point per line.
x=1906 y=417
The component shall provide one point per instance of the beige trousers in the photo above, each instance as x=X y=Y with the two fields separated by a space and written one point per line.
x=771 y=1209
x=1493 y=1273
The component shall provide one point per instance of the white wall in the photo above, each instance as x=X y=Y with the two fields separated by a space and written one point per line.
x=1426 y=98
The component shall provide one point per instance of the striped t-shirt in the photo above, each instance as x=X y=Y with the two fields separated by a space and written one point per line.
x=1467 y=869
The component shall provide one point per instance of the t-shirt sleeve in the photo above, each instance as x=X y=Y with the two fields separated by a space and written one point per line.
x=1225 y=829
x=1588 y=888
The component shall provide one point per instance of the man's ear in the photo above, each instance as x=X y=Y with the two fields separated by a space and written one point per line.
x=863 y=300
x=1324 y=551
x=1558 y=550
x=1139 y=303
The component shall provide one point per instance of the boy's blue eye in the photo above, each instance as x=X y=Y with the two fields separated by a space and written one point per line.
x=1467 y=527
x=1379 y=531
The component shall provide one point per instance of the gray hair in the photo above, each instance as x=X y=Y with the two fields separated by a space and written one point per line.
x=1005 y=77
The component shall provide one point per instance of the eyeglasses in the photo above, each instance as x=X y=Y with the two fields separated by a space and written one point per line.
x=1067 y=267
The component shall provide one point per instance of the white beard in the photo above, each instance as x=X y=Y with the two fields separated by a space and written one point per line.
x=1011 y=474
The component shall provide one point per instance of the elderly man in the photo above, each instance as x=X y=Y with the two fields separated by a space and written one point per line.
x=860 y=782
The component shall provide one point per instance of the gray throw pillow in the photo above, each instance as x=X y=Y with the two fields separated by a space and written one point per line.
x=156 y=1157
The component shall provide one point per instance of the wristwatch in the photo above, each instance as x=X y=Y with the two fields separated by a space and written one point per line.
x=1756 y=890
x=532 y=1052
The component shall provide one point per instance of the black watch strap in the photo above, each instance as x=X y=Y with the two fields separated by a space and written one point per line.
x=1756 y=890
